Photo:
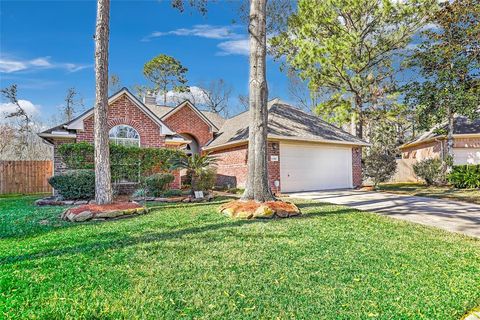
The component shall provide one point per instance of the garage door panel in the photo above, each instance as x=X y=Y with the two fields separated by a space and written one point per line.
x=315 y=167
x=466 y=156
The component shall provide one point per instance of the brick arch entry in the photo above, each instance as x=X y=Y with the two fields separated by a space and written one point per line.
x=195 y=148
x=132 y=123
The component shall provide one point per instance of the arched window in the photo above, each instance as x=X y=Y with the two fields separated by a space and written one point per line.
x=124 y=135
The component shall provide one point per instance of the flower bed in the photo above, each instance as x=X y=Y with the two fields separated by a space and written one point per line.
x=102 y=212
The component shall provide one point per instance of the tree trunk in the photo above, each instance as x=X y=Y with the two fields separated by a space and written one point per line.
x=257 y=187
x=359 y=125
x=450 y=129
x=103 y=186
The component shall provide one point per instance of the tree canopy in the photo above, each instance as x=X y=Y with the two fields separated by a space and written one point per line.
x=166 y=73
x=448 y=60
x=344 y=49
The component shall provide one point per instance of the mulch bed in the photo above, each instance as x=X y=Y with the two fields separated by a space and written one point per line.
x=263 y=210
x=102 y=212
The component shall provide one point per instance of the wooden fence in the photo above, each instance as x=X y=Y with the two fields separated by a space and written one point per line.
x=25 y=177
x=404 y=171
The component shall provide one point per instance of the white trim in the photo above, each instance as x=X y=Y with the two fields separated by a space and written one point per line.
x=439 y=137
x=348 y=143
x=281 y=138
x=64 y=136
x=213 y=128
x=77 y=124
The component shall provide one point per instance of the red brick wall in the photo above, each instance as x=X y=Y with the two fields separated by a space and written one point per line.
x=58 y=165
x=124 y=111
x=466 y=143
x=232 y=166
x=185 y=120
x=274 y=166
x=433 y=149
x=357 y=166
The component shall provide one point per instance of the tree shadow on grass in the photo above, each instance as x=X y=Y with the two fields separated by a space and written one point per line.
x=42 y=223
x=121 y=241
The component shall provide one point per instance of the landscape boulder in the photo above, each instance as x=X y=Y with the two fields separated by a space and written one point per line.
x=92 y=211
x=250 y=209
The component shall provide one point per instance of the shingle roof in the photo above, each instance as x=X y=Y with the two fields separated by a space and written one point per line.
x=161 y=111
x=461 y=125
x=285 y=122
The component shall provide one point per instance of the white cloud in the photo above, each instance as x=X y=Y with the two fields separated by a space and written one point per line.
x=241 y=47
x=196 y=96
x=199 y=30
x=10 y=65
x=28 y=106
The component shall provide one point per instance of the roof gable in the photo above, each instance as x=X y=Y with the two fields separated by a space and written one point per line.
x=188 y=104
x=462 y=126
x=77 y=123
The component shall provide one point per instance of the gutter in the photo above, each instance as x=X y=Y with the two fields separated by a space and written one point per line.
x=280 y=138
x=458 y=135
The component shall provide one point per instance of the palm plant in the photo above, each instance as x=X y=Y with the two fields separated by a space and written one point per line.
x=195 y=164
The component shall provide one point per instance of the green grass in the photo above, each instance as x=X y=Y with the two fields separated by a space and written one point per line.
x=445 y=192
x=187 y=261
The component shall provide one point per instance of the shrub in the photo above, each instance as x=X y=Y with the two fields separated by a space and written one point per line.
x=380 y=160
x=139 y=193
x=126 y=163
x=465 y=176
x=74 y=184
x=173 y=193
x=205 y=181
x=430 y=170
x=158 y=182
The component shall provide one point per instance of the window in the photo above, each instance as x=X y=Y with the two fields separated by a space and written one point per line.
x=124 y=135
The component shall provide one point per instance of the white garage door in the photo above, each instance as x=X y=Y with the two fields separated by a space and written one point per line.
x=466 y=156
x=306 y=167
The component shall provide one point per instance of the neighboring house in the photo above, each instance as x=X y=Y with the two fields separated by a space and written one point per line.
x=304 y=152
x=466 y=143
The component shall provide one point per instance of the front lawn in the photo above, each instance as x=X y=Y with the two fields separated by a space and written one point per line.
x=187 y=261
x=445 y=192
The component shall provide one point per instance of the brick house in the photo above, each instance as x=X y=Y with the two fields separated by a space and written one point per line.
x=304 y=152
x=433 y=144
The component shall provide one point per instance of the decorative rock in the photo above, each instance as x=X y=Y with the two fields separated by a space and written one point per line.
x=175 y=199
x=47 y=202
x=282 y=214
x=251 y=209
x=244 y=215
x=82 y=216
x=109 y=214
x=229 y=212
x=263 y=212
x=99 y=212
x=186 y=200
x=80 y=202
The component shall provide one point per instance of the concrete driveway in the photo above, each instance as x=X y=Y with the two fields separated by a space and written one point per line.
x=445 y=214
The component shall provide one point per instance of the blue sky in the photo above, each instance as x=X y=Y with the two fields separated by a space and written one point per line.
x=47 y=47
